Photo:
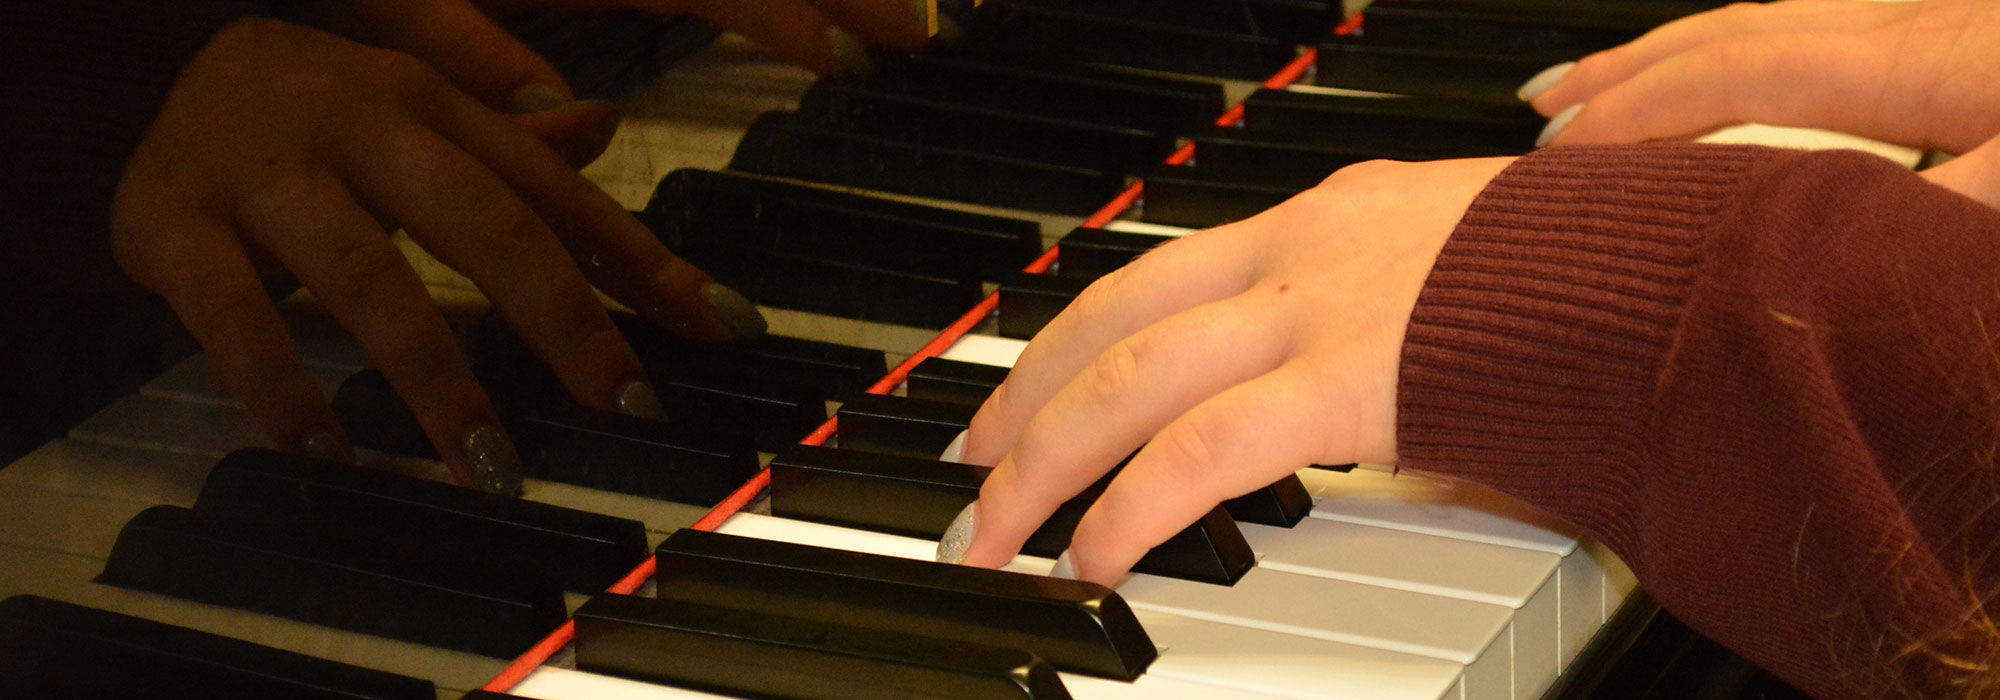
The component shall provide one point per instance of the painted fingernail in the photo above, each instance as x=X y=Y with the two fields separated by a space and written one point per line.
x=1557 y=124
x=926 y=14
x=849 y=52
x=323 y=443
x=496 y=468
x=1065 y=567
x=637 y=399
x=955 y=452
x=958 y=537
x=536 y=97
x=1544 y=80
x=735 y=310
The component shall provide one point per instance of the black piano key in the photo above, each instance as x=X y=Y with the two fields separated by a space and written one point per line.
x=671 y=461
x=1030 y=301
x=830 y=369
x=748 y=654
x=1501 y=26
x=375 y=417
x=54 y=650
x=1136 y=43
x=1094 y=252
x=1439 y=122
x=1335 y=467
x=348 y=579
x=1075 y=626
x=1055 y=89
x=846 y=106
x=806 y=283
x=1282 y=504
x=683 y=461
x=919 y=498
x=939 y=379
x=585 y=552
x=777 y=144
x=901 y=425
x=1436 y=70
x=697 y=209
x=1296 y=160
x=1194 y=197
x=1297 y=21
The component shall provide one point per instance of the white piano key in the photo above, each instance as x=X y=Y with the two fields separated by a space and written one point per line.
x=1471 y=512
x=1522 y=580
x=193 y=380
x=1286 y=619
x=986 y=350
x=111 y=471
x=1295 y=667
x=204 y=429
x=1141 y=227
x=555 y=683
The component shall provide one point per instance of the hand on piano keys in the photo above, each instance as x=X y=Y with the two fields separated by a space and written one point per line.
x=1901 y=72
x=1234 y=356
x=286 y=145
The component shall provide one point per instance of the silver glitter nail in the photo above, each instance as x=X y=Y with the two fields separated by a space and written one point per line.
x=496 y=468
x=955 y=452
x=535 y=97
x=735 y=310
x=951 y=548
x=637 y=399
x=1544 y=80
x=1557 y=124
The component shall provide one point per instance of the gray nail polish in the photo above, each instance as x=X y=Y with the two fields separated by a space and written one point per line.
x=637 y=399
x=849 y=52
x=1557 y=124
x=496 y=468
x=323 y=443
x=951 y=547
x=955 y=452
x=1544 y=80
x=1065 y=567
x=735 y=310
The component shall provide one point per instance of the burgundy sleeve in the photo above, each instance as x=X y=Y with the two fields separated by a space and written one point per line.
x=1766 y=379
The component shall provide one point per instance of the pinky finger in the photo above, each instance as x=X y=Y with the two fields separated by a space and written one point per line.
x=1240 y=440
x=217 y=296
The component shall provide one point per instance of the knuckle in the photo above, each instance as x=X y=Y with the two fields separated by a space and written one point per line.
x=1115 y=374
x=359 y=264
x=1187 y=449
x=1098 y=298
x=1362 y=171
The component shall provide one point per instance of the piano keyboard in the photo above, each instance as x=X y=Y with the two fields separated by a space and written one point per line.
x=1395 y=586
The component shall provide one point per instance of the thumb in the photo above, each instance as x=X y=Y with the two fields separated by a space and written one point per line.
x=470 y=50
x=1975 y=174
x=578 y=130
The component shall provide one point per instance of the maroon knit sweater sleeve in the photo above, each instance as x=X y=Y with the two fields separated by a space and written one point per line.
x=1766 y=379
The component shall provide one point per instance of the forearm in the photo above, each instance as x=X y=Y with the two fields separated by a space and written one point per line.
x=1759 y=376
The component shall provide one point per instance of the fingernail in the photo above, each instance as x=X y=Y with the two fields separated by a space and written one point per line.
x=951 y=548
x=1557 y=124
x=1065 y=567
x=735 y=310
x=1544 y=80
x=849 y=52
x=496 y=468
x=637 y=399
x=926 y=14
x=955 y=452
x=536 y=97
x=323 y=443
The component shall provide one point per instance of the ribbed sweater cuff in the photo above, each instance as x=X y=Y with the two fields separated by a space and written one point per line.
x=1537 y=341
